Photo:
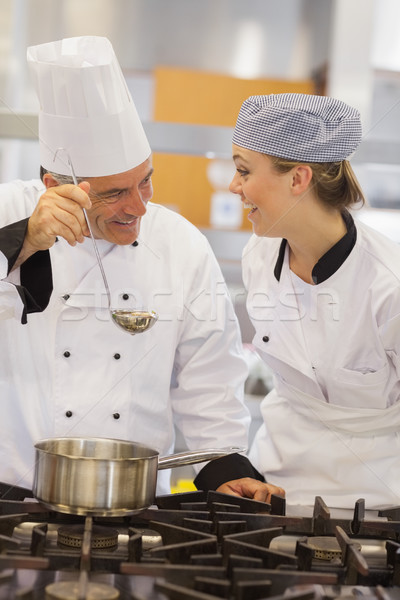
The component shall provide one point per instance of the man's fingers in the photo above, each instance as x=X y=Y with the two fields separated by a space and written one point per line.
x=72 y=193
x=85 y=186
x=274 y=490
x=251 y=488
x=262 y=495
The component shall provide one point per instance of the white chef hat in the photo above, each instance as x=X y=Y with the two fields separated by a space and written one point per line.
x=299 y=127
x=85 y=108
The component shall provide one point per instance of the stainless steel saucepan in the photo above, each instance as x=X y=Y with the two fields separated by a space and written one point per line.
x=104 y=477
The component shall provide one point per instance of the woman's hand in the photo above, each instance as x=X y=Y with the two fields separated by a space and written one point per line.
x=251 y=488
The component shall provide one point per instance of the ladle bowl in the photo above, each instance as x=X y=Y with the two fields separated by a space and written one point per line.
x=133 y=321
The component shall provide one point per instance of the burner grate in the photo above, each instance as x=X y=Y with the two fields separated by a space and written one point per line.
x=209 y=545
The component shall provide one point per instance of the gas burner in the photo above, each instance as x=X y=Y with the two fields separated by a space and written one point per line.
x=68 y=590
x=325 y=548
x=199 y=545
x=71 y=536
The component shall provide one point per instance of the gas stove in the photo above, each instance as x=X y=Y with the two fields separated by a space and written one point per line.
x=198 y=545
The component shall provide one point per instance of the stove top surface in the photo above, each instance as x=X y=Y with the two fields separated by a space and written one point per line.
x=198 y=545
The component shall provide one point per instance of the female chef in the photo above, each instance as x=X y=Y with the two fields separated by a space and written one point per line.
x=324 y=298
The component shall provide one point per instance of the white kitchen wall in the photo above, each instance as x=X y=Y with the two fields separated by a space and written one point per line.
x=354 y=42
x=256 y=38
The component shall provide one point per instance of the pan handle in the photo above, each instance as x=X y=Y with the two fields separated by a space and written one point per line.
x=196 y=456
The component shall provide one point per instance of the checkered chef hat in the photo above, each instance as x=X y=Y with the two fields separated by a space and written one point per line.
x=298 y=127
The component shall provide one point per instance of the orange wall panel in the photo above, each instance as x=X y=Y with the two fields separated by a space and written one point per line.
x=185 y=96
x=180 y=182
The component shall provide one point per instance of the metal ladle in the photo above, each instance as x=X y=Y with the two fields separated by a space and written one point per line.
x=132 y=321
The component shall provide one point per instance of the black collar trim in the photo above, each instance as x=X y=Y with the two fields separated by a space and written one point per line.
x=281 y=258
x=332 y=260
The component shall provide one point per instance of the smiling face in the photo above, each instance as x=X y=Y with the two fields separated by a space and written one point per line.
x=268 y=193
x=119 y=202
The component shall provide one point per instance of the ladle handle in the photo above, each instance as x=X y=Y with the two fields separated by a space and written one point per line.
x=197 y=456
x=96 y=250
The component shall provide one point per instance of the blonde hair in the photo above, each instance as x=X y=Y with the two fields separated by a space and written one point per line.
x=334 y=183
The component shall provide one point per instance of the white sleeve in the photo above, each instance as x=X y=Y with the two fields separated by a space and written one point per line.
x=3 y=265
x=210 y=369
x=17 y=201
x=11 y=305
x=390 y=336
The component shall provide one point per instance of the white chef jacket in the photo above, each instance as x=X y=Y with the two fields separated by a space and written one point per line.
x=331 y=425
x=71 y=372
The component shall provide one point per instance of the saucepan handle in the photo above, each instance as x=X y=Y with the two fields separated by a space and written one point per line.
x=196 y=456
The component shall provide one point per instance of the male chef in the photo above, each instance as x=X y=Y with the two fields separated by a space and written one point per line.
x=65 y=368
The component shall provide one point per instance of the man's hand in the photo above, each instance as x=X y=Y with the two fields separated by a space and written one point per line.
x=57 y=214
x=251 y=488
